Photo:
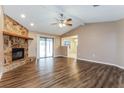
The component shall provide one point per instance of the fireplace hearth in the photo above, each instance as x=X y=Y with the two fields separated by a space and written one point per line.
x=17 y=53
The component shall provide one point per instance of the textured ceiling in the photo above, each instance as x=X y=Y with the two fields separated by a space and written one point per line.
x=42 y=16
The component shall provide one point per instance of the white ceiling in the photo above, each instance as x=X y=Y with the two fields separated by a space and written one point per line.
x=42 y=16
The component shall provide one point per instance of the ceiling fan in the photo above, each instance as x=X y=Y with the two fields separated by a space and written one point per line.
x=62 y=22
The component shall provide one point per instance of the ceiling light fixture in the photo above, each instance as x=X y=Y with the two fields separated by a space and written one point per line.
x=32 y=24
x=60 y=25
x=23 y=16
x=64 y=25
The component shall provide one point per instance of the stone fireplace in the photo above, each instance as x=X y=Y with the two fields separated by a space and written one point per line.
x=17 y=53
x=12 y=49
x=15 y=44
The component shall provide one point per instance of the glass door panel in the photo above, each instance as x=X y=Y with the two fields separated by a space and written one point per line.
x=42 y=47
x=46 y=47
x=49 y=47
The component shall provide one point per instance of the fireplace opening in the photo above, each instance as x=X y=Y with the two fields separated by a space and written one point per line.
x=17 y=53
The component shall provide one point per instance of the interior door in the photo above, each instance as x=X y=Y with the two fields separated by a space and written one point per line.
x=46 y=47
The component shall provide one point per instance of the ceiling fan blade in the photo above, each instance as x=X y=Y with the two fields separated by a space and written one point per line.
x=54 y=23
x=69 y=19
x=69 y=24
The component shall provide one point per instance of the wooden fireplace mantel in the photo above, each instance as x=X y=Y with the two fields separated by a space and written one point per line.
x=16 y=35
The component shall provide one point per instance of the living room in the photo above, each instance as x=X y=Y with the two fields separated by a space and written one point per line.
x=59 y=46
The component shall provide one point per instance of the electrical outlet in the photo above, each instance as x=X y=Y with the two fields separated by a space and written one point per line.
x=93 y=55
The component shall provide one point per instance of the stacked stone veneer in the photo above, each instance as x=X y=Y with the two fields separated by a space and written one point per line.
x=14 y=42
x=10 y=42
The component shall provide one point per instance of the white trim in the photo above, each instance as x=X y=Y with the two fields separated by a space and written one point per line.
x=60 y=56
x=64 y=56
x=1 y=74
x=101 y=62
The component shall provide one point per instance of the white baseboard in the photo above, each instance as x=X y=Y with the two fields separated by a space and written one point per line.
x=65 y=56
x=101 y=62
x=60 y=56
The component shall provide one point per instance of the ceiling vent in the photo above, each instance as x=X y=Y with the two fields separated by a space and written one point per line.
x=96 y=5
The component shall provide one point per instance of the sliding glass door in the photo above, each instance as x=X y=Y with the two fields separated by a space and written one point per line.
x=42 y=47
x=46 y=47
x=49 y=47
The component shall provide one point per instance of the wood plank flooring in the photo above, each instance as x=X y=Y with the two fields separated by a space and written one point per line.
x=62 y=73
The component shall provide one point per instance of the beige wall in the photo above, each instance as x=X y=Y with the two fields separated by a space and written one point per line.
x=34 y=47
x=57 y=44
x=101 y=42
x=72 y=32
x=120 y=42
x=1 y=40
x=63 y=51
x=97 y=42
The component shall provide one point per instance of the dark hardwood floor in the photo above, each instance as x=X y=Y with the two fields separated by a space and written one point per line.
x=62 y=72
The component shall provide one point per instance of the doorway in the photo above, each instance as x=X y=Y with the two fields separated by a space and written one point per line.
x=72 y=43
x=46 y=47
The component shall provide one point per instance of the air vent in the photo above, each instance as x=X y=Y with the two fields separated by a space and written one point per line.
x=96 y=5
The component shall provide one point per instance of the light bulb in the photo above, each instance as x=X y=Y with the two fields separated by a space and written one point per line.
x=60 y=25
x=64 y=25
x=32 y=24
x=23 y=16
